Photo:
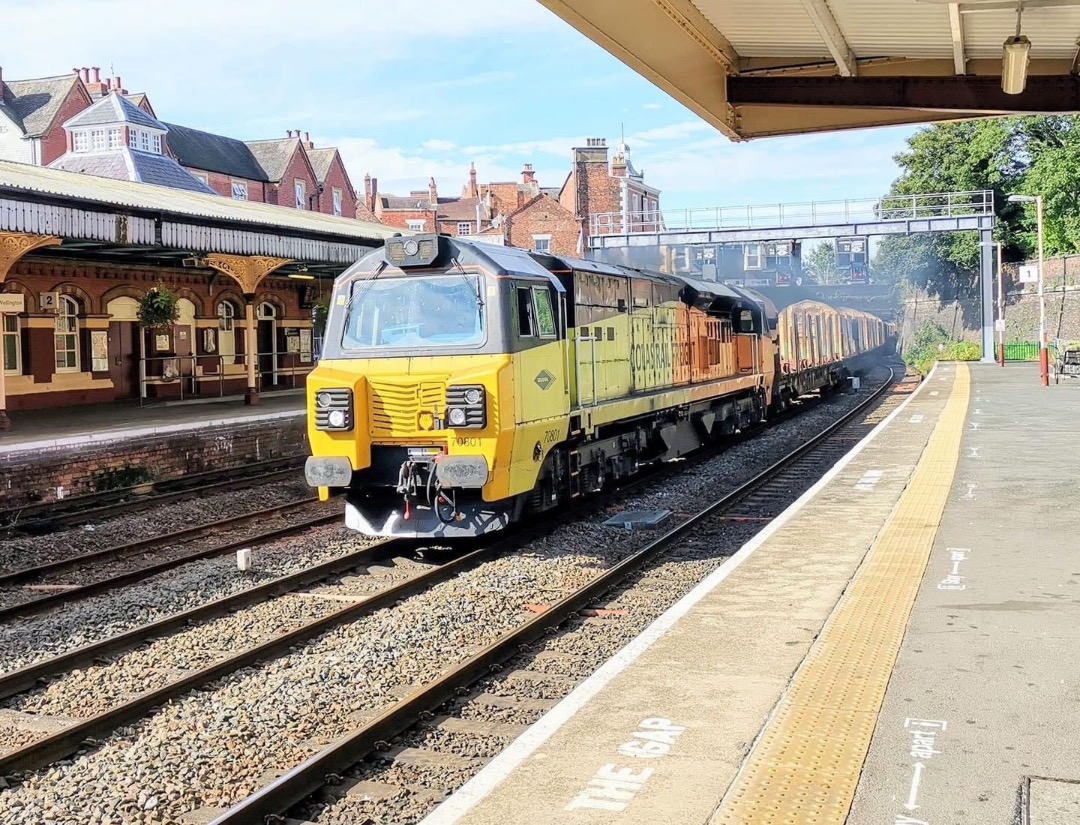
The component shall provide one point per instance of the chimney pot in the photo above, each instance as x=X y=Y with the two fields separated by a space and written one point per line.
x=97 y=74
x=108 y=83
x=119 y=85
x=84 y=72
x=307 y=136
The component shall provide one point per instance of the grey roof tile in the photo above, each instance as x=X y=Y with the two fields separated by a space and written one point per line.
x=128 y=164
x=321 y=159
x=36 y=102
x=164 y=171
x=214 y=153
x=114 y=108
x=274 y=155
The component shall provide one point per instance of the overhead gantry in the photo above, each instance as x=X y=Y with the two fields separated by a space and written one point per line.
x=755 y=69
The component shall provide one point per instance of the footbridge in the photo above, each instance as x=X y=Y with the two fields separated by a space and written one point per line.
x=674 y=239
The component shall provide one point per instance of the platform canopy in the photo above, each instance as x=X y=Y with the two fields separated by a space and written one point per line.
x=755 y=68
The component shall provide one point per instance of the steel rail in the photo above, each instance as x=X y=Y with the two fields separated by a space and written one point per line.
x=305 y=779
x=187 y=534
x=79 y=509
x=94 y=588
x=70 y=739
x=25 y=678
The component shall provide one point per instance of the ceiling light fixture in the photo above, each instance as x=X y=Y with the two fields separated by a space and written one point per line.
x=1014 y=59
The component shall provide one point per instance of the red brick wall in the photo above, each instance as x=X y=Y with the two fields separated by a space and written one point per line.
x=298 y=169
x=54 y=142
x=26 y=477
x=544 y=216
x=401 y=219
x=95 y=285
x=222 y=184
x=339 y=178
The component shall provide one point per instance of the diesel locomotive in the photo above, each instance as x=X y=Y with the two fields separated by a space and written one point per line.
x=464 y=385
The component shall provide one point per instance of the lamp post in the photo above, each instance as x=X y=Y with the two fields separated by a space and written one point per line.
x=1001 y=303
x=1044 y=355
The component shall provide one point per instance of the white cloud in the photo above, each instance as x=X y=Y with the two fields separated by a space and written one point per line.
x=652 y=106
x=436 y=145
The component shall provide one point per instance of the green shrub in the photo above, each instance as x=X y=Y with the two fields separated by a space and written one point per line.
x=932 y=343
x=159 y=307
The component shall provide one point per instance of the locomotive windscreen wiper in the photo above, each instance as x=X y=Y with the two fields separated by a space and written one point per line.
x=475 y=290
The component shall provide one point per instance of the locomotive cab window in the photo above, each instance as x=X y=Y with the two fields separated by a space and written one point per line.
x=536 y=318
x=526 y=318
x=746 y=321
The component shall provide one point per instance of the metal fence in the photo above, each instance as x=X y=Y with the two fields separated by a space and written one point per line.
x=795 y=215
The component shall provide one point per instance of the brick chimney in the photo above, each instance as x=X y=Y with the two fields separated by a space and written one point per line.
x=84 y=73
x=118 y=86
x=95 y=87
x=527 y=174
x=433 y=193
x=307 y=140
x=367 y=191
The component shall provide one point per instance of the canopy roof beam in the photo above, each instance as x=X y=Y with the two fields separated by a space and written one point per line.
x=822 y=17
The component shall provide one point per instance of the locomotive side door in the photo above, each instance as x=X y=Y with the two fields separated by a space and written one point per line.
x=540 y=388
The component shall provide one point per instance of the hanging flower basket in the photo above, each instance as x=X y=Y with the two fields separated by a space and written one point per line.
x=159 y=307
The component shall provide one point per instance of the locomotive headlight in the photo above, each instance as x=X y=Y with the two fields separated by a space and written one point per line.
x=473 y=396
x=466 y=406
x=334 y=409
x=457 y=417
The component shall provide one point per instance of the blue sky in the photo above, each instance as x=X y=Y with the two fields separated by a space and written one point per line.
x=410 y=90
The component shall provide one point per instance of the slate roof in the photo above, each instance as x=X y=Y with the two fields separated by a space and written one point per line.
x=413 y=203
x=321 y=159
x=274 y=155
x=35 y=103
x=132 y=165
x=27 y=178
x=114 y=108
x=214 y=153
x=461 y=209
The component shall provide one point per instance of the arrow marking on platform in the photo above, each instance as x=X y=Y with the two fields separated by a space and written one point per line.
x=913 y=794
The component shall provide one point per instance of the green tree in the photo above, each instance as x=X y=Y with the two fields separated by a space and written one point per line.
x=820 y=264
x=966 y=156
x=1053 y=144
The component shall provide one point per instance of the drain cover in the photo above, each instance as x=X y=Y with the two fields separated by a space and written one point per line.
x=1051 y=801
x=638 y=519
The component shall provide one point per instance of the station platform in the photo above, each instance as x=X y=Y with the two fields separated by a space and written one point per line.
x=898 y=650
x=62 y=426
x=58 y=453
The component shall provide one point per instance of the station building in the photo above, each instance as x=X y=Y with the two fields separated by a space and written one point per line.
x=77 y=252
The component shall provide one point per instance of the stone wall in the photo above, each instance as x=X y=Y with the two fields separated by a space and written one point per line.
x=962 y=316
x=45 y=472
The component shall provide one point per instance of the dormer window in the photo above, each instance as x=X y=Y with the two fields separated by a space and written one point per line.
x=144 y=141
x=97 y=139
x=116 y=138
x=80 y=141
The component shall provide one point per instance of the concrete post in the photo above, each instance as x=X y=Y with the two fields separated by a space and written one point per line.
x=986 y=289
x=251 y=351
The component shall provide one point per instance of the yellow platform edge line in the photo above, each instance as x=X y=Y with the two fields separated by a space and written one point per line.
x=806 y=764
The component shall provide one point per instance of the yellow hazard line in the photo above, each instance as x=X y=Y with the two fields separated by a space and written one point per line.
x=806 y=764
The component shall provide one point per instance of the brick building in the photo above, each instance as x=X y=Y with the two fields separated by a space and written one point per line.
x=524 y=213
x=224 y=164
x=114 y=138
x=246 y=275
x=289 y=172
x=32 y=114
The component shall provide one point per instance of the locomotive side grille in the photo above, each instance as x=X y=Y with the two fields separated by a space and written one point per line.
x=394 y=408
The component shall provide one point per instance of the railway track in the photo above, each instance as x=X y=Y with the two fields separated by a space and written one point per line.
x=297 y=784
x=54 y=578
x=763 y=497
x=48 y=516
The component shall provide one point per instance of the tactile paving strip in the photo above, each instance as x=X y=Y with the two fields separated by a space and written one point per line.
x=806 y=765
